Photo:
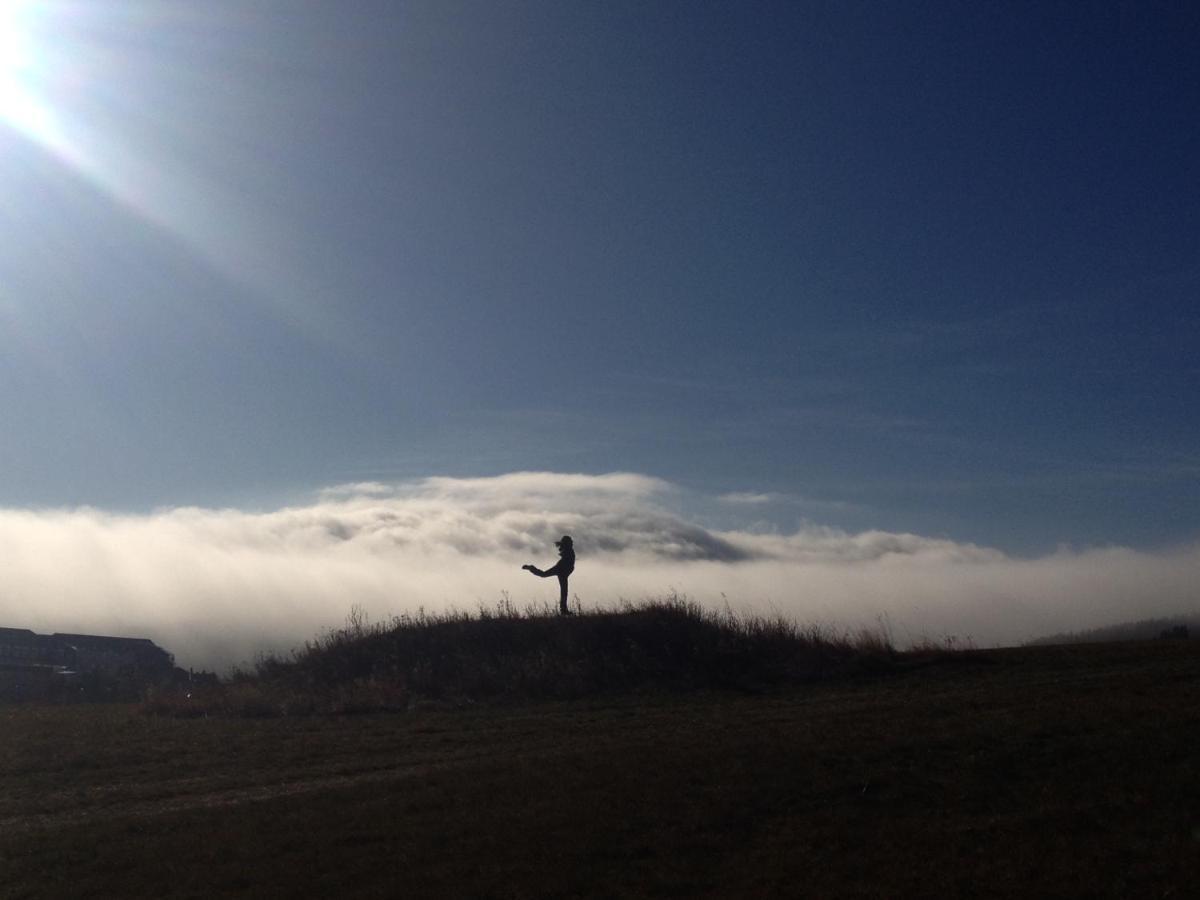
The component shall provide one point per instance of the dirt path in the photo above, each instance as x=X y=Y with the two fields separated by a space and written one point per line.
x=189 y=794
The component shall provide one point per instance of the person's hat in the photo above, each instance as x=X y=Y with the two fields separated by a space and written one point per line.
x=566 y=539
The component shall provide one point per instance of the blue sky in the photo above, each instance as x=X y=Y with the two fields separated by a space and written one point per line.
x=928 y=268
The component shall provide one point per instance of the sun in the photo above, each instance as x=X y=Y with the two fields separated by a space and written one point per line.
x=23 y=72
x=17 y=104
x=15 y=50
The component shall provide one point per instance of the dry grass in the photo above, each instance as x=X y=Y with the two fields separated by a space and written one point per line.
x=1039 y=771
x=505 y=655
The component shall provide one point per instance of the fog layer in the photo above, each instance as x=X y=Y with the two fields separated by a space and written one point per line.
x=218 y=586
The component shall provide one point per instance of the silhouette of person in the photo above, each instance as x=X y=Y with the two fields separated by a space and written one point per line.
x=563 y=568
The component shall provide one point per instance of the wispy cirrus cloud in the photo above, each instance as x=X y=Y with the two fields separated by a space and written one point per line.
x=777 y=498
x=216 y=586
x=748 y=498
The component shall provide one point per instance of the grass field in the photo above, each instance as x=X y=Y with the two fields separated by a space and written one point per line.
x=1057 y=771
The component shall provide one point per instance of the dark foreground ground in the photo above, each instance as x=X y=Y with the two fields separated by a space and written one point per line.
x=1067 y=771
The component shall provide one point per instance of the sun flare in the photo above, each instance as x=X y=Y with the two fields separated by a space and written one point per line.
x=15 y=45
x=18 y=106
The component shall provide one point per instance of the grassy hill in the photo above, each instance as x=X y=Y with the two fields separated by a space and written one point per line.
x=1138 y=630
x=1050 y=771
x=504 y=656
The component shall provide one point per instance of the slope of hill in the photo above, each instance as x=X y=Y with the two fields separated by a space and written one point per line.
x=1139 y=630
x=1041 y=771
x=508 y=656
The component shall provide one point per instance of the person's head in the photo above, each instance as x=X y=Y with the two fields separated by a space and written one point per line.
x=564 y=544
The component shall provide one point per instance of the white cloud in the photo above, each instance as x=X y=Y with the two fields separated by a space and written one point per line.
x=766 y=498
x=357 y=489
x=747 y=498
x=216 y=586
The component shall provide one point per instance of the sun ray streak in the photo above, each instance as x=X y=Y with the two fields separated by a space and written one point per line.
x=64 y=90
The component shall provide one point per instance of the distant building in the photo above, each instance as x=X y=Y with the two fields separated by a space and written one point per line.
x=41 y=666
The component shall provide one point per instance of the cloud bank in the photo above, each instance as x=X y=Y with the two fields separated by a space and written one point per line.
x=218 y=586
